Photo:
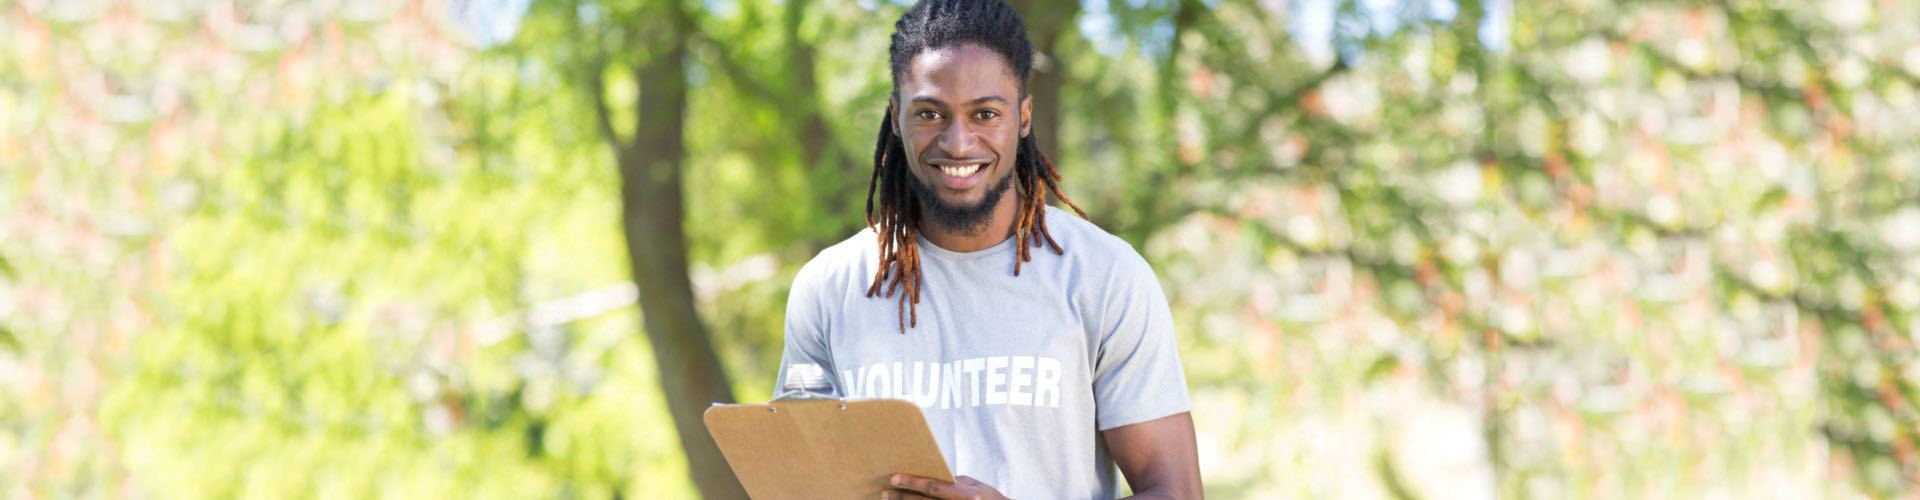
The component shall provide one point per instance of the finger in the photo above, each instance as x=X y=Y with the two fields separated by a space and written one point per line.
x=923 y=485
x=904 y=495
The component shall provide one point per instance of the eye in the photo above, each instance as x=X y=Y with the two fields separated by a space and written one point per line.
x=927 y=114
x=986 y=114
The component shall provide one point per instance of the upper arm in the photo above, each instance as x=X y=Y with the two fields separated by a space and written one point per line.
x=1158 y=456
x=1137 y=375
x=807 y=326
x=1141 y=388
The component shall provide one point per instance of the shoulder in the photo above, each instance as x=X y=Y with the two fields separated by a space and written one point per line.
x=1083 y=239
x=836 y=264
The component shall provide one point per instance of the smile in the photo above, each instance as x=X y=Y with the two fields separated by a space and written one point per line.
x=961 y=171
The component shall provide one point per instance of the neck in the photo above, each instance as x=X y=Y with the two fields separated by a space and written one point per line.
x=998 y=229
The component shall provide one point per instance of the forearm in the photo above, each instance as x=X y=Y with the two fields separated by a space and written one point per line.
x=1153 y=494
x=1166 y=491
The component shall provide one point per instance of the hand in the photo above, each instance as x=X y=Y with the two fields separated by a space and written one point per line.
x=913 y=487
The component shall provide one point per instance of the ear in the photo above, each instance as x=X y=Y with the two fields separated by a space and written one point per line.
x=1026 y=115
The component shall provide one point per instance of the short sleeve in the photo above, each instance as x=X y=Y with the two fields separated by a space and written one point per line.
x=1137 y=372
x=807 y=327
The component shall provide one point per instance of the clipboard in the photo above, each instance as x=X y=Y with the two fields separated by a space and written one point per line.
x=826 y=448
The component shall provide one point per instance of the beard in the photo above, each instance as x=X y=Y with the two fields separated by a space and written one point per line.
x=967 y=219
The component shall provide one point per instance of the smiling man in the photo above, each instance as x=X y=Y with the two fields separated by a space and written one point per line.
x=1040 y=373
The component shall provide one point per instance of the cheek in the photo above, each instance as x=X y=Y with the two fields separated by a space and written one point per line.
x=920 y=139
x=914 y=143
x=1010 y=145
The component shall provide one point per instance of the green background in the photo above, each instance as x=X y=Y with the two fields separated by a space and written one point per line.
x=1556 y=249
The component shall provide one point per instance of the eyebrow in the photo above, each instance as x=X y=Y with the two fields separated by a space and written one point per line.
x=975 y=102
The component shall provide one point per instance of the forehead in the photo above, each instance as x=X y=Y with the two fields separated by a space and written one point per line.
x=964 y=71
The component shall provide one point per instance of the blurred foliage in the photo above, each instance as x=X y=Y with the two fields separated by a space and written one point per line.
x=1559 y=249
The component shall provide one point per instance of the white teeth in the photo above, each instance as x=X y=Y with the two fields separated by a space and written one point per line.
x=960 y=171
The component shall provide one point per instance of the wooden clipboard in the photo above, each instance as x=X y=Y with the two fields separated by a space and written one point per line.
x=825 y=449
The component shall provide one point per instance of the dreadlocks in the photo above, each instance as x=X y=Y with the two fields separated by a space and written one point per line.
x=892 y=208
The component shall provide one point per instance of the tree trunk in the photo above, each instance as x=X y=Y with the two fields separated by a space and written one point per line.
x=652 y=210
x=834 y=177
x=1049 y=22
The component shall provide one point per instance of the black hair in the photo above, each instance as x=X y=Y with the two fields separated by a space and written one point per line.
x=936 y=24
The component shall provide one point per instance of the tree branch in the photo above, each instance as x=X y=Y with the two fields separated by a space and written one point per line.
x=596 y=79
x=735 y=72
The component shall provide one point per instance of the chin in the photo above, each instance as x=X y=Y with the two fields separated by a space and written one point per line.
x=971 y=200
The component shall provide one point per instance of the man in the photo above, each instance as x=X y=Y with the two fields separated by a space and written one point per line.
x=1037 y=375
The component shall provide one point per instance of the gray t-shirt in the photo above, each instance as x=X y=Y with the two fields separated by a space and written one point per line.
x=1016 y=374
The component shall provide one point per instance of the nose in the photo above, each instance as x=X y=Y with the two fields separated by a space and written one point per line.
x=957 y=140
